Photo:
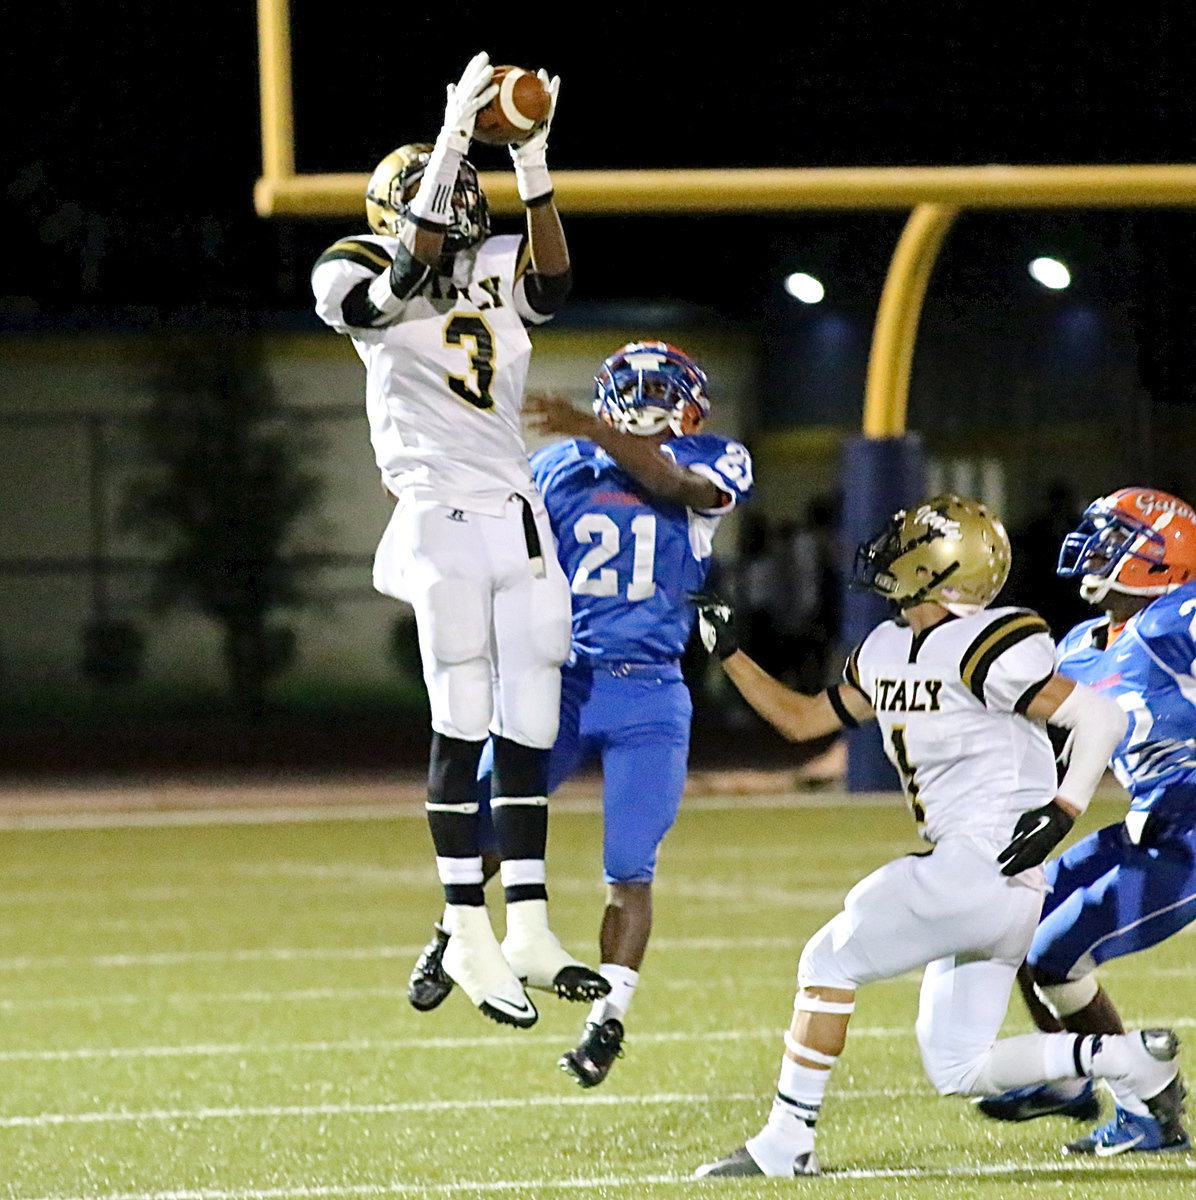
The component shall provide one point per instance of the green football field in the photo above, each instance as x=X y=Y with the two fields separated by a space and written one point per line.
x=211 y=1005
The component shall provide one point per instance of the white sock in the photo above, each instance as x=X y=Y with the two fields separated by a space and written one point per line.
x=781 y=1141
x=623 y=981
x=1020 y=1061
x=800 y=1090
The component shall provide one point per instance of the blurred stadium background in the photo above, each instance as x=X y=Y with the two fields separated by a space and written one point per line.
x=212 y=730
x=163 y=607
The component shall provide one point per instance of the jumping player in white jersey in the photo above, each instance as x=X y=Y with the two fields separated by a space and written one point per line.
x=438 y=311
x=961 y=693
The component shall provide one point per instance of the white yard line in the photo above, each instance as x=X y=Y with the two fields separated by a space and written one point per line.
x=304 y=953
x=282 y=814
x=509 y=1041
x=1045 y=1168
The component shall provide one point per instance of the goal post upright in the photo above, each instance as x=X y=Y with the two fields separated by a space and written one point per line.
x=885 y=462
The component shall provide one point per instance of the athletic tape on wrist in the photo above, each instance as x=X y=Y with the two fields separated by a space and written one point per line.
x=434 y=200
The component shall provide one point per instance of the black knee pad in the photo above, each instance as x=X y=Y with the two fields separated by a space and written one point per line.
x=453 y=770
x=519 y=770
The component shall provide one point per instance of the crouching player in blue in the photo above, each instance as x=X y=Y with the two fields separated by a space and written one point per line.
x=634 y=497
x=1131 y=885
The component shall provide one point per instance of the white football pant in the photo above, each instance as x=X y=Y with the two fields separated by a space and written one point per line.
x=951 y=912
x=494 y=628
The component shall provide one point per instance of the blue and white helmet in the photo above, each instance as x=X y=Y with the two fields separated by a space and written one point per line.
x=647 y=387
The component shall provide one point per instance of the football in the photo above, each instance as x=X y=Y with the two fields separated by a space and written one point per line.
x=516 y=112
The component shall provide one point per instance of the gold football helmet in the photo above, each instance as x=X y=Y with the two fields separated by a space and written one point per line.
x=949 y=549
x=396 y=179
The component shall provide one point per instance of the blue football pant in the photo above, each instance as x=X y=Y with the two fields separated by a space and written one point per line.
x=637 y=726
x=1110 y=897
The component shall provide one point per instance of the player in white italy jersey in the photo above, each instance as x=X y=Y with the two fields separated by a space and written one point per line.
x=437 y=310
x=964 y=682
x=962 y=694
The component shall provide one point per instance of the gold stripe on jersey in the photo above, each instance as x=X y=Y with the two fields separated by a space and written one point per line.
x=364 y=254
x=1003 y=634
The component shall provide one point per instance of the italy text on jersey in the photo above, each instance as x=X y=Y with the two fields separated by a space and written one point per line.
x=949 y=705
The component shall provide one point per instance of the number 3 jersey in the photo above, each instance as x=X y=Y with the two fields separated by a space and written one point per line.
x=445 y=367
x=950 y=704
x=632 y=560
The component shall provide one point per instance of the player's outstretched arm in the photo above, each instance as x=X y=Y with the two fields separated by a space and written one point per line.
x=546 y=235
x=431 y=207
x=794 y=715
x=640 y=457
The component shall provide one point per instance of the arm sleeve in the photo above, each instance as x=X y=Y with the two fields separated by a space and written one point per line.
x=538 y=298
x=360 y=284
x=1098 y=724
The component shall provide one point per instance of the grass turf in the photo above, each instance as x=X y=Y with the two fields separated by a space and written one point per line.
x=216 y=1011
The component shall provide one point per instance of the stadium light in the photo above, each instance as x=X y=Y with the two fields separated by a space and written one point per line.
x=1051 y=273
x=804 y=287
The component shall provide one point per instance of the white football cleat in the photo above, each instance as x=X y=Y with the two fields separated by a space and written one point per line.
x=474 y=960
x=540 y=961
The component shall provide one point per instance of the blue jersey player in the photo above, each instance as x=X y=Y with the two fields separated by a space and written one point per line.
x=1133 y=884
x=634 y=496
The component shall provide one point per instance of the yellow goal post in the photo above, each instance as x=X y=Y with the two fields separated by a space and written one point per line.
x=934 y=196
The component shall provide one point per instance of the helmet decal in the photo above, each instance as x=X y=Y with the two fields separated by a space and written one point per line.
x=647 y=387
x=950 y=550
x=1136 y=541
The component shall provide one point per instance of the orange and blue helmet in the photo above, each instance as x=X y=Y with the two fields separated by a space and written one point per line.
x=647 y=387
x=1138 y=541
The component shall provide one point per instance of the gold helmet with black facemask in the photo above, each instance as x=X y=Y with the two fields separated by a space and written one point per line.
x=950 y=550
x=396 y=179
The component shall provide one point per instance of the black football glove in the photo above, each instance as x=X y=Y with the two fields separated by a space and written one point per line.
x=716 y=620
x=1035 y=835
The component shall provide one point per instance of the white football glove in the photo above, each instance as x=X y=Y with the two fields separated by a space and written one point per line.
x=433 y=202
x=530 y=157
x=464 y=99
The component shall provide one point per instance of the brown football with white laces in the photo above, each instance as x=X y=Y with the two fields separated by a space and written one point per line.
x=518 y=110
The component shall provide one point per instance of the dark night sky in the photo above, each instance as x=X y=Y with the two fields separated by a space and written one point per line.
x=128 y=182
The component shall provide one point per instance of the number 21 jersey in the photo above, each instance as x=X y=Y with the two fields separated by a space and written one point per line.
x=632 y=560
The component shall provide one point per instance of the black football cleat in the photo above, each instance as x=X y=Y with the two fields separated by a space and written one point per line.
x=428 y=987
x=590 y=1062
x=740 y=1164
x=578 y=982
